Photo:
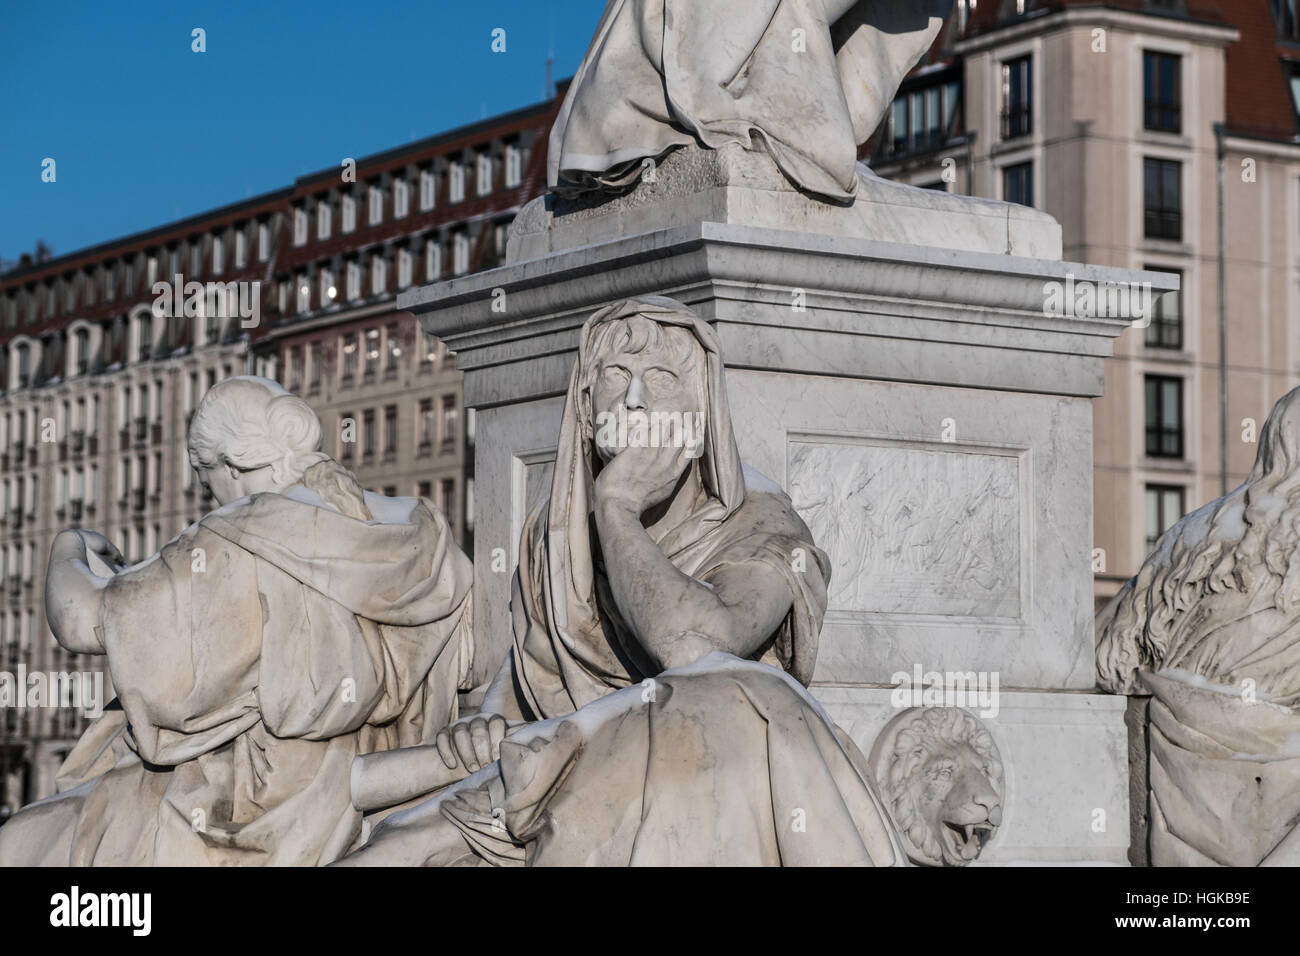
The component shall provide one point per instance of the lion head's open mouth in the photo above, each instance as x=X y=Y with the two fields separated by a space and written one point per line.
x=963 y=841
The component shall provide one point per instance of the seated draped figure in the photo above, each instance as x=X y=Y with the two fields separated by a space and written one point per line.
x=805 y=81
x=300 y=624
x=666 y=609
x=1210 y=629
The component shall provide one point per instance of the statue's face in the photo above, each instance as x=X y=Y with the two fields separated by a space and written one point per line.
x=648 y=389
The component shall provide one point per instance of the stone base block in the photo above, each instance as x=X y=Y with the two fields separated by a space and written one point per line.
x=1065 y=757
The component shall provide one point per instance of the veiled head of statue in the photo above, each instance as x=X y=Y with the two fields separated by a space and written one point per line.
x=645 y=383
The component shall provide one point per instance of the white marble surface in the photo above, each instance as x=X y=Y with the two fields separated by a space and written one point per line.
x=1064 y=758
x=736 y=186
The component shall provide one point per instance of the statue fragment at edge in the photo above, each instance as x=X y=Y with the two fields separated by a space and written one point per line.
x=1210 y=628
x=666 y=612
x=302 y=623
x=808 y=80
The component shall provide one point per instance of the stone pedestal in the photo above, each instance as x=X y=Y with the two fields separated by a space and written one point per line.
x=930 y=420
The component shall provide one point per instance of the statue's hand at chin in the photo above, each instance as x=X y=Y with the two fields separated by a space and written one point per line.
x=637 y=479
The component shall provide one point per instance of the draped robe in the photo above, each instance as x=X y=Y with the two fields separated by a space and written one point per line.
x=807 y=80
x=253 y=657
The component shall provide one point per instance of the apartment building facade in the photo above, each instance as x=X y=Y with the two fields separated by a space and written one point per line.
x=102 y=365
x=1163 y=137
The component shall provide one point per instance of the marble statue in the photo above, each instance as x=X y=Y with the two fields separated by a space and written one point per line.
x=1210 y=629
x=254 y=656
x=666 y=609
x=806 y=80
x=940 y=773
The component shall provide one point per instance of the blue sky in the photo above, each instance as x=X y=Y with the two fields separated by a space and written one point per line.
x=144 y=131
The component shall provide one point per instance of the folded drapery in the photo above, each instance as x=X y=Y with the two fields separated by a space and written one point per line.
x=254 y=657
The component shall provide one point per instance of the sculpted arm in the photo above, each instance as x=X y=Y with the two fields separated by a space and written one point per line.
x=73 y=592
x=678 y=619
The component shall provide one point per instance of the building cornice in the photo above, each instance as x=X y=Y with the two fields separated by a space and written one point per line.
x=1148 y=24
x=1261 y=145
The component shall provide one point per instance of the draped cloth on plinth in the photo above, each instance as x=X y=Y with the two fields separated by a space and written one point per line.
x=253 y=658
x=775 y=74
x=1224 y=775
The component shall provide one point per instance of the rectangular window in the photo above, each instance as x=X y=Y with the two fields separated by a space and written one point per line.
x=1166 y=328
x=483 y=174
x=196 y=258
x=427 y=424
x=1287 y=17
x=448 y=421
x=349 y=357
x=218 y=255
x=299 y=226
x=1018 y=184
x=455 y=181
x=403 y=268
x=348 y=212
x=432 y=260
x=900 y=142
x=327 y=290
x=173 y=261
x=295 y=369
x=447 y=498
x=1017 y=97
x=324 y=219
x=426 y=190
x=401 y=199
x=314 y=366
x=304 y=294
x=81 y=352
x=514 y=165
x=1164 y=506
x=368 y=433
x=354 y=279
x=263 y=241
x=1161 y=92
x=1164 y=416
x=460 y=254
x=375 y=205
x=241 y=247
x=372 y=352
x=1162 y=199
x=378 y=275
x=390 y=429
x=110 y=282
x=392 y=345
